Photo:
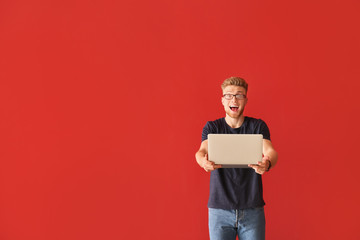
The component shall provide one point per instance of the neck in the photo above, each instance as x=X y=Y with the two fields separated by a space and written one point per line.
x=234 y=122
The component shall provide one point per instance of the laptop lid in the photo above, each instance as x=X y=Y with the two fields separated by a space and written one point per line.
x=235 y=150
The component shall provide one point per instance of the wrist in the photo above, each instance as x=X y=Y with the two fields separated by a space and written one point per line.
x=268 y=169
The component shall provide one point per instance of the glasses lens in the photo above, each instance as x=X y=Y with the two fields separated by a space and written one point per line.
x=239 y=96
x=228 y=96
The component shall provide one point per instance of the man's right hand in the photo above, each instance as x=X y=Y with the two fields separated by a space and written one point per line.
x=209 y=166
x=202 y=158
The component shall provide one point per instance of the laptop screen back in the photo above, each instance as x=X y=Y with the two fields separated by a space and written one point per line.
x=235 y=150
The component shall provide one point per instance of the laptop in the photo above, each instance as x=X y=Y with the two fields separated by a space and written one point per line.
x=235 y=150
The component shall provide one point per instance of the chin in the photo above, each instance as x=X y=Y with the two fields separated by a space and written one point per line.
x=234 y=114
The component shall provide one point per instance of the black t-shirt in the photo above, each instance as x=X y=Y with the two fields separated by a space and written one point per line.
x=236 y=188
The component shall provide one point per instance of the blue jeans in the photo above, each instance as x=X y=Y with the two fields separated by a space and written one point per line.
x=248 y=224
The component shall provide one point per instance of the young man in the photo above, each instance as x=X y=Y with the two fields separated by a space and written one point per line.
x=236 y=205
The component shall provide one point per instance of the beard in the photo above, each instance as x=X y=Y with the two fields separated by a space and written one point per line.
x=234 y=114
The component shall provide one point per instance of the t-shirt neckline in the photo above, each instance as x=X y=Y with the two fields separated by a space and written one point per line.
x=234 y=129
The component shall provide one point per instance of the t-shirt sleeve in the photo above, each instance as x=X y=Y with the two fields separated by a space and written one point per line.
x=264 y=130
x=205 y=132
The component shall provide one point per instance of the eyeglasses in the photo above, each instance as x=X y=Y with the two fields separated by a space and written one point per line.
x=237 y=96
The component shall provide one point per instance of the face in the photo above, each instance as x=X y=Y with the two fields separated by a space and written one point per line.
x=235 y=107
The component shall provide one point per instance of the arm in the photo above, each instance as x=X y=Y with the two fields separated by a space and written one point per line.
x=202 y=158
x=269 y=155
x=269 y=151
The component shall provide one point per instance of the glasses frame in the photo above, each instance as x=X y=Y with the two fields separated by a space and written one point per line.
x=242 y=96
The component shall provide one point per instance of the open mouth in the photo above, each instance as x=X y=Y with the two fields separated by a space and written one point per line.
x=234 y=109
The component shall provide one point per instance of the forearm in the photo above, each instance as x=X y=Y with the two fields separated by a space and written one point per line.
x=273 y=156
x=200 y=156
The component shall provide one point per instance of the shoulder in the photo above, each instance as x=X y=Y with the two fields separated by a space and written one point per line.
x=258 y=126
x=255 y=121
x=215 y=126
x=216 y=123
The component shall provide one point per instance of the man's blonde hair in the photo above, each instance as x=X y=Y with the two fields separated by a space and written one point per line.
x=236 y=81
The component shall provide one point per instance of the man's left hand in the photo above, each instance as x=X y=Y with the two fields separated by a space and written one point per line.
x=262 y=166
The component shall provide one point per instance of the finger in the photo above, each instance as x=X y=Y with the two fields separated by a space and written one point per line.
x=206 y=163
x=212 y=166
x=258 y=169
x=265 y=158
x=255 y=167
x=208 y=166
x=262 y=165
x=216 y=166
x=212 y=163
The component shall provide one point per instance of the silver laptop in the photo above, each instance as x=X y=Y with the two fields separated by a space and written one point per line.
x=235 y=150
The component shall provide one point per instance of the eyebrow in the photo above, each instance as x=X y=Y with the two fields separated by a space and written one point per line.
x=235 y=93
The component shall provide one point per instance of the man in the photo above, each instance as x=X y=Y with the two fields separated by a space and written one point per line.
x=236 y=205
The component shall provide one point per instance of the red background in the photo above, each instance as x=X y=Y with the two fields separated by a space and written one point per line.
x=103 y=103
